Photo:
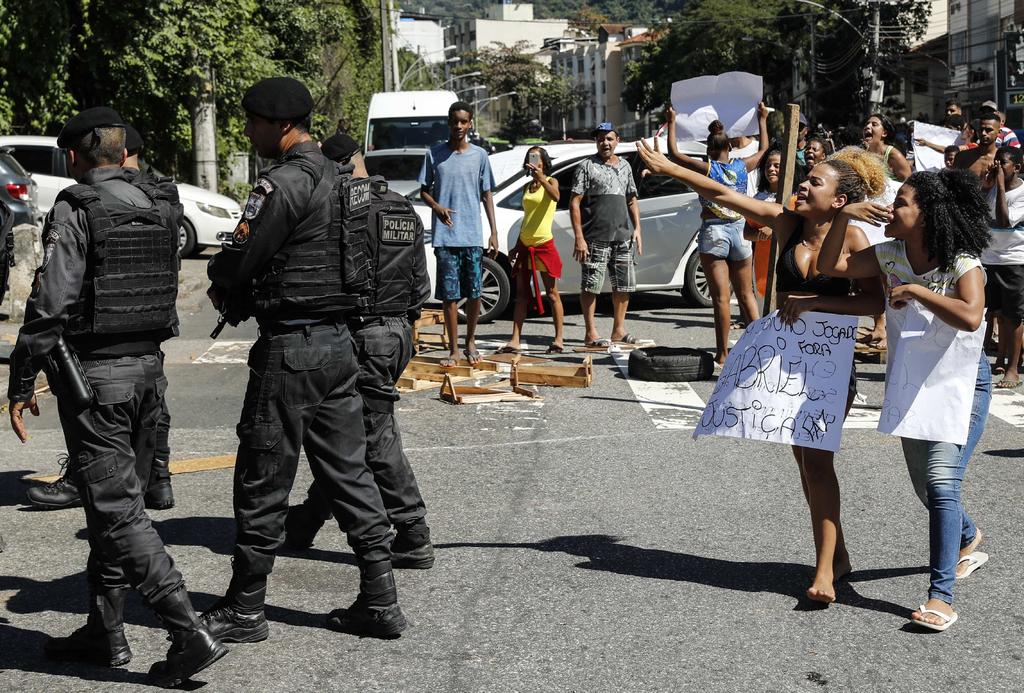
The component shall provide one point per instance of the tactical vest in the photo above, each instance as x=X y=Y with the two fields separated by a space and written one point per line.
x=396 y=233
x=131 y=276
x=324 y=265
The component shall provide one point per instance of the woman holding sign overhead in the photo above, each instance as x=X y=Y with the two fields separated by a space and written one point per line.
x=938 y=384
x=725 y=255
x=850 y=176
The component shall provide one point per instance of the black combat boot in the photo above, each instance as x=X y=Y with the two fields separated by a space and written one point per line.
x=375 y=612
x=101 y=640
x=412 y=548
x=159 y=495
x=55 y=495
x=238 y=616
x=301 y=527
x=192 y=649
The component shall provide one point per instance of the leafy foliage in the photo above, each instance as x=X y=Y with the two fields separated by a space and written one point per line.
x=147 y=60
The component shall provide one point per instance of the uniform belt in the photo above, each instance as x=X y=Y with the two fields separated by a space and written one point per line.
x=279 y=329
x=86 y=360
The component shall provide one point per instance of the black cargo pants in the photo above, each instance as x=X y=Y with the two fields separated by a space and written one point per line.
x=384 y=348
x=111 y=446
x=302 y=395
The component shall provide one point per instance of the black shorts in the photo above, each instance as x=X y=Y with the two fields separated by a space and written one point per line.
x=1004 y=290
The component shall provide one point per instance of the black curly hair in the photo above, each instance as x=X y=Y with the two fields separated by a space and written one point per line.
x=762 y=168
x=956 y=214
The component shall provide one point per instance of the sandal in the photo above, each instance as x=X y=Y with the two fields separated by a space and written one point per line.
x=555 y=349
x=1005 y=384
x=601 y=343
x=449 y=362
x=974 y=561
x=947 y=619
x=626 y=339
x=473 y=357
x=508 y=350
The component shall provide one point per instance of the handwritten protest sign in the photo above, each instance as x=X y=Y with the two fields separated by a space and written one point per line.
x=730 y=97
x=785 y=383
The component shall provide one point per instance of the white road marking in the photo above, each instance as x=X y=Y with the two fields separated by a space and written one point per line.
x=671 y=406
x=1008 y=405
x=226 y=352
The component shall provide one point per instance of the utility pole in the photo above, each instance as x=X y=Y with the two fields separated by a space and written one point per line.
x=812 y=77
x=386 y=56
x=875 y=31
x=203 y=107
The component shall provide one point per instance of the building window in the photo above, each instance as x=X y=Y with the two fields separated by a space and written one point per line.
x=958 y=48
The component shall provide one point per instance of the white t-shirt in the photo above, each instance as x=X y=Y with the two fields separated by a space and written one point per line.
x=743 y=153
x=896 y=269
x=1007 y=245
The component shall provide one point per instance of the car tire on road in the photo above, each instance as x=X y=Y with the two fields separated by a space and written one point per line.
x=671 y=364
x=495 y=294
x=186 y=239
x=695 y=289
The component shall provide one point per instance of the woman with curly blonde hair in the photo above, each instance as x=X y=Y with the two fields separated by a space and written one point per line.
x=849 y=176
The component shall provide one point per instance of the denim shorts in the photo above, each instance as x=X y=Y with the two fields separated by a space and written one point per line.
x=458 y=273
x=724 y=239
x=614 y=257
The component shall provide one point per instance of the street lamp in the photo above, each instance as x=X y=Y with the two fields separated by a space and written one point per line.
x=422 y=63
x=463 y=76
x=475 y=87
x=484 y=102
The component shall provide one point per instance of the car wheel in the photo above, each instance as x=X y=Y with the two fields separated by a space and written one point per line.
x=186 y=239
x=495 y=292
x=695 y=289
x=670 y=364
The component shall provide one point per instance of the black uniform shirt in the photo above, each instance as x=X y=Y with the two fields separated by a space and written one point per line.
x=58 y=281
x=277 y=203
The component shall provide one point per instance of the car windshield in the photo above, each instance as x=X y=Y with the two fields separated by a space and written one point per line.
x=396 y=166
x=396 y=133
x=8 y=164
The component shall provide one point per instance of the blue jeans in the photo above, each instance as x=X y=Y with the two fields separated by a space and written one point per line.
x=937 y=470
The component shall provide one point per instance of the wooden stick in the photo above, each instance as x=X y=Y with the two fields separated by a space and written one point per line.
x=786 y=174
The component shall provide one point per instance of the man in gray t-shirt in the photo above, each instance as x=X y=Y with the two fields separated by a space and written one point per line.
x=602 y=205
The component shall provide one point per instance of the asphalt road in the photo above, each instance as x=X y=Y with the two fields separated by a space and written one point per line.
x=584 y=543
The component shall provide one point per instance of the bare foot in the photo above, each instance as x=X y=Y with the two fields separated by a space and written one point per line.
x=452 y=361
x=822 y=590
x=967 y=550
x=936 y=605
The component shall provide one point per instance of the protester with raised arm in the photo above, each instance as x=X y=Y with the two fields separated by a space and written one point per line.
x=802 y=286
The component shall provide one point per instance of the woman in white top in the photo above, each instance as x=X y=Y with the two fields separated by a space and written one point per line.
x=936 y=304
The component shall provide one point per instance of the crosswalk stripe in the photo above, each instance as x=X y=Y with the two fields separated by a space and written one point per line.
x=671 y=406
x=1008 y=405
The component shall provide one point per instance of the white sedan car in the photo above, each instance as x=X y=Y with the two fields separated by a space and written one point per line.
x=209 y=218
x=669 y=219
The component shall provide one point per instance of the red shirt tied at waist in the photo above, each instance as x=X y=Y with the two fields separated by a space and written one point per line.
x=527 y=257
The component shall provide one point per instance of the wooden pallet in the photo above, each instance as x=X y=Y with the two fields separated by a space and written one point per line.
x=515 y=358
x=429 y=340
x=560 y=375
x=453 y=393
x=426 y=372
x=642 y=344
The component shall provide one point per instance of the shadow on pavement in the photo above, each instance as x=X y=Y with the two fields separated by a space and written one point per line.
x=12 y=489
x=605 y=552
x=1010 y=452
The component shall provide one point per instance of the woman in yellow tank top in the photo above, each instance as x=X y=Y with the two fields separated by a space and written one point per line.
x=535 y=258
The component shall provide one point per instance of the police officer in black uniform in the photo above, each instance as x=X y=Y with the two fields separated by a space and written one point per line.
x=383 y=337
x=106 y=292
x=62 y=493
x=297 y=264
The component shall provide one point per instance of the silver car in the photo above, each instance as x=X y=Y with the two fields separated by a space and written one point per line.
x=669 y=218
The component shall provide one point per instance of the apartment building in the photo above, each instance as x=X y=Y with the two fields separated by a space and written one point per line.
x=507 y=24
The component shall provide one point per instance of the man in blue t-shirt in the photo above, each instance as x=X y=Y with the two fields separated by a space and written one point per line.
x=456 y=176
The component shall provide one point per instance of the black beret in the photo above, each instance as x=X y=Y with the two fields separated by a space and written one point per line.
x=339 y=147
x=278 y=98
x=133 y=141
x=87 y=120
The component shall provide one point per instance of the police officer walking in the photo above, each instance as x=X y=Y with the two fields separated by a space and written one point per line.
x=382 y=333
x=102 y=303
x=298 y=265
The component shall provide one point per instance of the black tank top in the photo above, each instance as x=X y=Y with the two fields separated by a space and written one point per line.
x=789 y=278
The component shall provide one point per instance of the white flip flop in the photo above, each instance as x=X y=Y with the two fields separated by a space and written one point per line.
x=947 y=620
x=974 y=561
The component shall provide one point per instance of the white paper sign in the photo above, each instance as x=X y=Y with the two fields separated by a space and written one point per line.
x=926 y=158
x=731 y=97
x=785 y=383
x=930 y=376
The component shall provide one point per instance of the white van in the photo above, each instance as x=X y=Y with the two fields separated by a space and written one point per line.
x=407 y=119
